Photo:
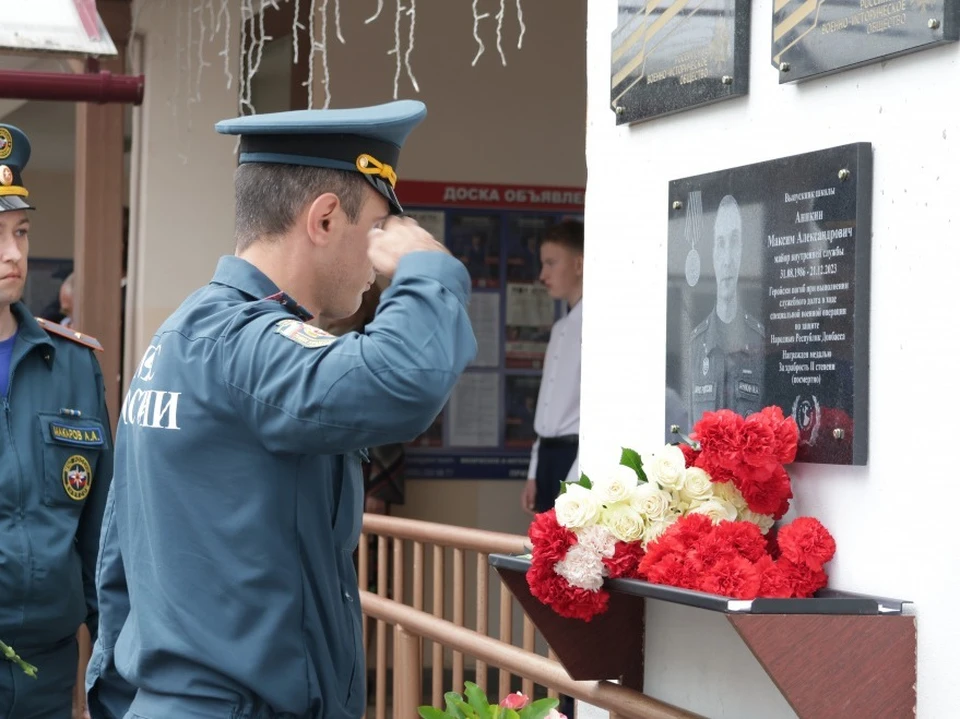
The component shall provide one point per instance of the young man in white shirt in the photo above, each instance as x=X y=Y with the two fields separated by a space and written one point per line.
x=555 y=454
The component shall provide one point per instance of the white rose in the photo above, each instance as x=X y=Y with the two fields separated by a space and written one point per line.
x=728 y=492
x=581 y=567
x=666 y=467
x=764 y=521
x=598 y=540
x=651 y=501
x=716 y=509
x=624 y=522
x=655 y=529
x=697 y=486
x=577 y=507
x=616 y=486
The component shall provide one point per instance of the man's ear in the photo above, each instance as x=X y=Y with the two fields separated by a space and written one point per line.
x=323 y=218
x=579 y=264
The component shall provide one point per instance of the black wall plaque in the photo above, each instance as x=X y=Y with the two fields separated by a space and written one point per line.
x=675 y=55
x=768 y=296
x=821 y=37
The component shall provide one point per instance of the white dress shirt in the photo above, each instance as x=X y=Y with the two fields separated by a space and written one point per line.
x=558 y=403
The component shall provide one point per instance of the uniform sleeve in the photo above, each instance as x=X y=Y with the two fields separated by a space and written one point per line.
x=382 y=387
x=88 y=529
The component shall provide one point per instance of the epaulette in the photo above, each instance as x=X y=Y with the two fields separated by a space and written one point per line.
x=72 y=335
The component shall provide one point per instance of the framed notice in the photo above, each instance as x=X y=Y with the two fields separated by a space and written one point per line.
x=486 y=429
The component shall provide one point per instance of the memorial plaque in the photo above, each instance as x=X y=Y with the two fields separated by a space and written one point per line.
x=673 y=55
x=821 y=37
x=768 y=296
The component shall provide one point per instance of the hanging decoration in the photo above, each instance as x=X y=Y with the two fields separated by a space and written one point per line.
x=202 y=22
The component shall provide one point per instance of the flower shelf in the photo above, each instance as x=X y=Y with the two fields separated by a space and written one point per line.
x=831 y=656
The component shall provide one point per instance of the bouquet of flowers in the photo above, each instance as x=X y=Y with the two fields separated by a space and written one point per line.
x=474 y=705
x=697 y=515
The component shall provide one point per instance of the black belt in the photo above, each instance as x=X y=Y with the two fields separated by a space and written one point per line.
x=564 y=440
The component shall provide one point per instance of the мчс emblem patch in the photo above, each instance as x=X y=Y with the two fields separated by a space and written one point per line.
x=304 y=334
x=77 y=477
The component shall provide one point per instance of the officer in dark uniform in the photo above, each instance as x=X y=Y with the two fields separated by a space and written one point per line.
x=727 y=348
x=226 y=575
x=56 y=463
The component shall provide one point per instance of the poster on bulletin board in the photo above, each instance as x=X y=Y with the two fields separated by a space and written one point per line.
x=486 y=429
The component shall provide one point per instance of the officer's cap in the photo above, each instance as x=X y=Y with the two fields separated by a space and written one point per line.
x=365 y=140
x=14 y=155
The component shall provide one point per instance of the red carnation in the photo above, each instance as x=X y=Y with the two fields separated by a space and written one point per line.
x=689 y=454
x=806 y=541
x=786 y=432
x=550 y=540
x=765 y=489
x=743 y=537
x=625 y=560
x=732 y=577
x=804 y=580
x=676 y=570
x=711 y=547
x=759 y=442
x=713 y=465
x=561 y=596
x=772 y=582
x=720 y=434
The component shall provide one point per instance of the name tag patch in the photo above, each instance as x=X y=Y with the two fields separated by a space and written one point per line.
x=750 y=388
x=304 y=334
x=76 y=436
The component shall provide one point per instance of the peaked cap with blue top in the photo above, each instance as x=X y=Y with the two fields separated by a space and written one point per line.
x=14 y=155
x=365 y=140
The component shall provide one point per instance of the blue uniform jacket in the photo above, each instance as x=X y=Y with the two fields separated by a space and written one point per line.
x=226 y=577
x=56 y=463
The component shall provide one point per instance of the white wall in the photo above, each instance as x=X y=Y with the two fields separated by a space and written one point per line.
x=889 y=541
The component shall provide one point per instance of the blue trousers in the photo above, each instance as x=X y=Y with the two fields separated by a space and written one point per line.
x=50 y=695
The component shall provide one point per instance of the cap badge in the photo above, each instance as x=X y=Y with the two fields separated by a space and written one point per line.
x=6 y=176
x=6 y=143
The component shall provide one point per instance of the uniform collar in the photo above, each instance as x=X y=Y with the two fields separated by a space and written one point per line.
x=241 y=275
x=30 y=334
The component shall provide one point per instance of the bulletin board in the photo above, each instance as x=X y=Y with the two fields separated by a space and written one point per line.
x=486 y=429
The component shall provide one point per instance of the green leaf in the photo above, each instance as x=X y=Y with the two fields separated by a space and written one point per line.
x=453 y=701
x=468 y=711
x=585 y=481
x=510 y=714
x=478 y=700
x=432 y=713
x=539 y=709
x=630 y=458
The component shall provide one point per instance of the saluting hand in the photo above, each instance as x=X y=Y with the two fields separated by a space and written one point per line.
x=399 y=236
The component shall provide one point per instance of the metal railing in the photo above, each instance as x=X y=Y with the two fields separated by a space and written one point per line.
x=477 y=641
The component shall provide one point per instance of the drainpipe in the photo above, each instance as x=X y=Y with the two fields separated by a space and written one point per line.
x=97 y=86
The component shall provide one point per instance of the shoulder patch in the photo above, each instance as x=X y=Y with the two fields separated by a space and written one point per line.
x=81 y=339
x=304 y=334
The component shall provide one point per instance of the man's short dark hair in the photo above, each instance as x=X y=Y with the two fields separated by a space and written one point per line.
x=568 y=233
x=270 y=197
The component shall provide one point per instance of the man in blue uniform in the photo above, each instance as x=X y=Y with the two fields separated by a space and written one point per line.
x=226 y=576
x=56 y=464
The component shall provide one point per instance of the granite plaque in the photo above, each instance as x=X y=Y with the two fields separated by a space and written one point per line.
x=768 y=296
x=673 y=55
x=821 y=37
